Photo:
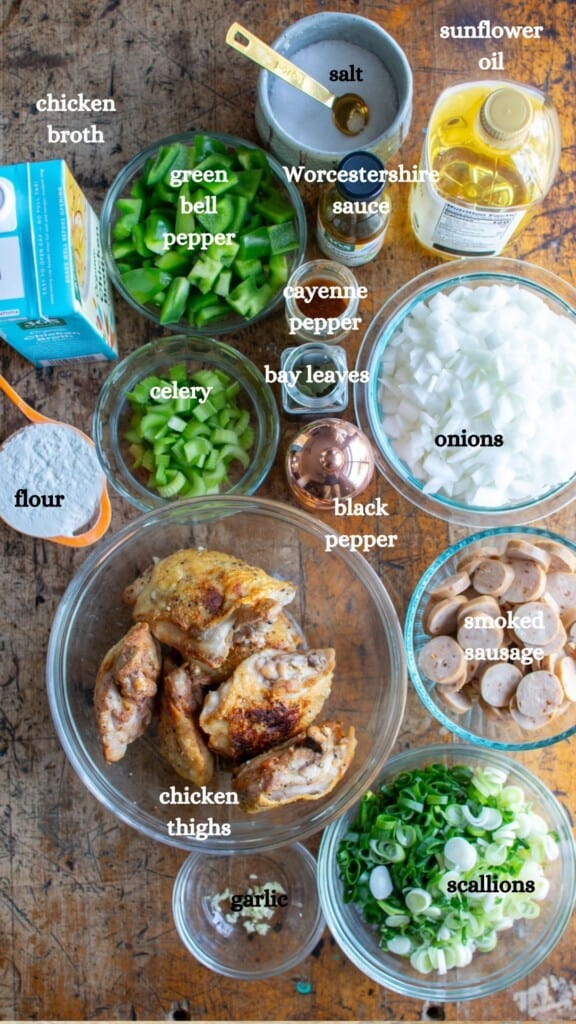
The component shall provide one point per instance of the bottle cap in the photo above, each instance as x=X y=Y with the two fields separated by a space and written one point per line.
x=329 y=459
x=506 y=115
x=361 y=190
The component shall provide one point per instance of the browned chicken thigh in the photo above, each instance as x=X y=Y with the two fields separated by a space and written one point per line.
x=270 y=697
x=180 y=740
x=125 y=689
x=304 y=768
x=197 y=601
x=280 y=635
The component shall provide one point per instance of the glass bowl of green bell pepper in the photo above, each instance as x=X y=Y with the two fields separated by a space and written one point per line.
x=185 y=417
x=201 y=232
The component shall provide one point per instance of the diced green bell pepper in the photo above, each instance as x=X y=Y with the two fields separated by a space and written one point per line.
x=223 y=254
x=204 y=145
x=156 y=227
x=167 y=157
x=138 y=238
x=185 y=222
x=248 y=299
x=283 y=238
x=175 y=302
x=275 y=209
x=248 y=268
x=254 y=159
x=121 y=250
x=144 y=283
x=279 y=270
x=255 y=244
x=173 y=261
x=130 y=210
x=222 y=219
x=247 y=183
x=223 y=283
x=204 y=273
x=215 y=311
x=242 y=207
x=217 y=188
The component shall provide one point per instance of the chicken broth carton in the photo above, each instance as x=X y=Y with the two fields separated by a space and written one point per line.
x=55 y=301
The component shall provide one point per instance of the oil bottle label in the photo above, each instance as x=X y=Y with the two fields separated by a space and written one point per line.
x=350 y=254
x=460 y=230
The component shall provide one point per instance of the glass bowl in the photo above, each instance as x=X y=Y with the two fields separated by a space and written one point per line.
x=519 y=949
x=221 y=938
x=475 y=726
x=559 y=296
x=121 y=189
x=340 y=603
x=113 y=413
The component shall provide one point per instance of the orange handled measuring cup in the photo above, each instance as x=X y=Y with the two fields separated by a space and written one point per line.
x=104 y=514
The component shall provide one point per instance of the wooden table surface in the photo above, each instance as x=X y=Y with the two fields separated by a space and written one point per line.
x=86 y=902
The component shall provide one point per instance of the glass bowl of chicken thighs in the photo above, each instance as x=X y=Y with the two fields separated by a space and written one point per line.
x=219 y=680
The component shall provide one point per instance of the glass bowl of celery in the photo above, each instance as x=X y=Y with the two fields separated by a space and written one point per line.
x=183 y=417
x=453 y=878
x=201 y=232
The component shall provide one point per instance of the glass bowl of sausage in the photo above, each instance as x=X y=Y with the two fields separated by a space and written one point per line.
x=490 y=637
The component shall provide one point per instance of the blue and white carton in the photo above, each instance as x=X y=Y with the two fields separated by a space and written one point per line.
x=55 y=301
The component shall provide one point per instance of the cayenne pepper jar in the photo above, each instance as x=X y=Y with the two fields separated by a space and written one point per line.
x=353 y=213
x=322 y=299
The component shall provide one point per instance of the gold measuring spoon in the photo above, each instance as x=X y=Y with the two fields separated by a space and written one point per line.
x=349 y=112
x=103 y=522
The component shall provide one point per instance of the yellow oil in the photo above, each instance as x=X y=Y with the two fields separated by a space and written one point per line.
x=476 y=169
x=490 y=179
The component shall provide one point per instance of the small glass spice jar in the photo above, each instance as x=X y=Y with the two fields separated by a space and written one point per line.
x=317 y=379
x=353 y=213
x=326 y=293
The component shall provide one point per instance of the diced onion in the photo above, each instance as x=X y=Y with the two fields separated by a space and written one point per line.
x=491 y=360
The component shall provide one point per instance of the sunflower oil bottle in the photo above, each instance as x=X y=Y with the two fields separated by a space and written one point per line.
x=495 y=148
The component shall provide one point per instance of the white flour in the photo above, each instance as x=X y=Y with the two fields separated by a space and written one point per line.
x=49 y=459
x=309 y=122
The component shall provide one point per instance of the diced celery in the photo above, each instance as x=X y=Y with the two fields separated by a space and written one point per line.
x=223 y=436
x=178 y=373
x=204 y=412
x=176 y=481
x=218 y=399
x=234 y=451
x=177 y=424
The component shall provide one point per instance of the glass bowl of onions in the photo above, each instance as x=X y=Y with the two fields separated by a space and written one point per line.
x=471 y=372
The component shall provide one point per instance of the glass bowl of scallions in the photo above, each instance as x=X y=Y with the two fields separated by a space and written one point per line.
x=453 y=878
x=184 y=417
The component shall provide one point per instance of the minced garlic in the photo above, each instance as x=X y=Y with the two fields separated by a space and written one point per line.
x=256 y=908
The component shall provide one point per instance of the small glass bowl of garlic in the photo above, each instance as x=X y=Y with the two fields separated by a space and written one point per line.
x=249 y=916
